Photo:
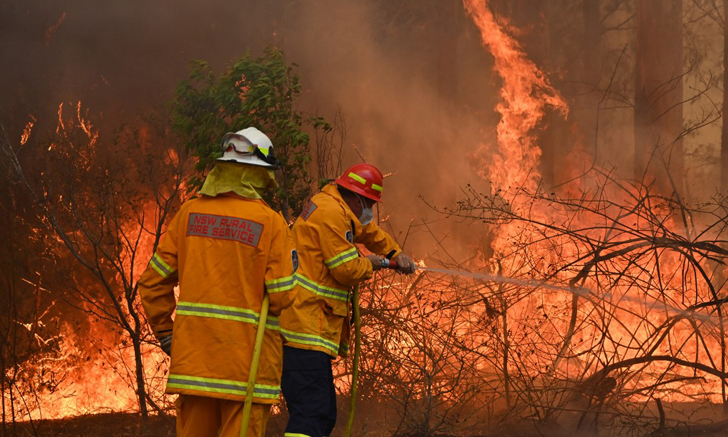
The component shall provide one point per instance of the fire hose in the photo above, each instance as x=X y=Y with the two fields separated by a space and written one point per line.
x=259 y=347
x=387 y=264
x=254 y=364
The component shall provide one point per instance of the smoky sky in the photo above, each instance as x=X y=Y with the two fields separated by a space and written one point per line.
x=414 y=85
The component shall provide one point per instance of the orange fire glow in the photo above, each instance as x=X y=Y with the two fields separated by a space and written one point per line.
x=526 y=96
x=28 y=130
x=86 y=125
x=77 y=380
x=51 y=31
x=88 y=367
x=60 y=127
x=89 y=371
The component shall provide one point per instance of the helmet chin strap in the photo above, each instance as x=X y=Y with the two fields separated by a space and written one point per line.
x=270 y=159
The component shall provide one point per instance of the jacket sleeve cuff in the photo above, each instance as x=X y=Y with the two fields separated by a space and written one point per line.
x=394 y=253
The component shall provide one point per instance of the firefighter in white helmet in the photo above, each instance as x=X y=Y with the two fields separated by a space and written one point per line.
x=225 y=249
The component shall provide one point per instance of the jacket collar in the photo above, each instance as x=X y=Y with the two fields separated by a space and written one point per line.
x=332 y=190
x=238 y=196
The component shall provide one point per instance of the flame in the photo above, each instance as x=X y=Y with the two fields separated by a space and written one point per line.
x=60 y=127
x=70 y=379
x=434 y=325
x=526 y=95
x=28 y=129
x=81 y=120
x=544 y=317
x=86 y=125
x=91 y=372
x=632 y=311
x=89 y=367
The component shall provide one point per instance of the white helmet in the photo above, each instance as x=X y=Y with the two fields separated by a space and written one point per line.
x=248 y=146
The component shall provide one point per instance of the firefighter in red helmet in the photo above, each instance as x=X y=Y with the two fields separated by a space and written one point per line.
x=315 y=327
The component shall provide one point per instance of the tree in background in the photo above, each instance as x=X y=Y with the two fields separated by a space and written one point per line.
x=659 y=93
x=104 y=202
x=259 y=92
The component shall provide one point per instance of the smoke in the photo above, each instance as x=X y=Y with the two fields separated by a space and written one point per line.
x=413 y=84
x=415 y=87
x=397 y=73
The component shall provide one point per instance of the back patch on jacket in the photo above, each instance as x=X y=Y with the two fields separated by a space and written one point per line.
x=224 y=228
x=308 y=210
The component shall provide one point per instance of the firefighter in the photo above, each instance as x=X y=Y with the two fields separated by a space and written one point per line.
x=225 y=248
x=316 y=326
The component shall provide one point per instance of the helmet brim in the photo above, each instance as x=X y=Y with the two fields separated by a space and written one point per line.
x=246 y=159
x=343 y=183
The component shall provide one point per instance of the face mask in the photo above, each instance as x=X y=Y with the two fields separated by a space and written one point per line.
x=367 y=215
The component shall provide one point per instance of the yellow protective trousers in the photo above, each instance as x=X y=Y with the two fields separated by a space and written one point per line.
x=199 y=416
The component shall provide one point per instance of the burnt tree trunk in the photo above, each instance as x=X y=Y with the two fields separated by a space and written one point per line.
x=658 y=94
x=591 y=57
x=135 y=333
x=141 y=384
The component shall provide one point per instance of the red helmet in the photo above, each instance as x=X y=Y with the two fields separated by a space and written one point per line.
x=364 y=179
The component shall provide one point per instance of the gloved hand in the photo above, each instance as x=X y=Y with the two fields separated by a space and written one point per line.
x=376 y=262
x=404 y=263
x=166 y=344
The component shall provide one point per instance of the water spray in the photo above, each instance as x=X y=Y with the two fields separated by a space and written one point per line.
x=579 y=291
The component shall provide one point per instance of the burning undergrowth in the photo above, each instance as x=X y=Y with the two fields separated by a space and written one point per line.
x=626 y=321
x=608 y=320
x=618 y=312
x=77 y=340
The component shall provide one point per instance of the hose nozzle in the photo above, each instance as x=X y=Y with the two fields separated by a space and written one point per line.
x=389 y=263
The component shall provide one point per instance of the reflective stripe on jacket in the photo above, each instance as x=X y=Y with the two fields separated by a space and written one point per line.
x=329 y=265
x=224 y=252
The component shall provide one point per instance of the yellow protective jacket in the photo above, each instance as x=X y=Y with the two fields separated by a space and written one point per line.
x=224 y=252
x=329 y=265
